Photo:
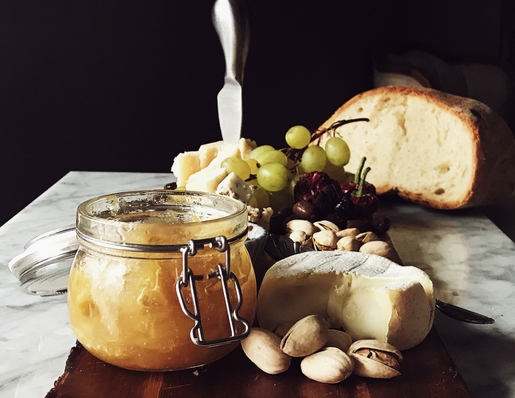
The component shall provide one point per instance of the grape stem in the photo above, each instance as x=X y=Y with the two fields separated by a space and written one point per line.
x=335 y=125
x=362 y=179
x=357 y=176
x=295 y=154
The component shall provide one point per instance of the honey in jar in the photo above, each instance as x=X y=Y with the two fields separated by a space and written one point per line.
x=162 y=279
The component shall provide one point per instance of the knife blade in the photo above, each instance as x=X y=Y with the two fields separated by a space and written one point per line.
x=232 y=26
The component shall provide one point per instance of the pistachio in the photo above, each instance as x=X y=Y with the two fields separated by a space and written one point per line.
x=305 y=337
x=348 y=243
x=262 y=347
x=326 y=225
x=329 y=365
x=375 y=359
x=366 y=237
x=381 y=248
x=352 y=232
x=325 y=240
x=299 y=236
x=339 y=339
x=300 y=225
x=283 y=328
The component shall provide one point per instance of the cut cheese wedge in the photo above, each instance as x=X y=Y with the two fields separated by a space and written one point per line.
x=200 y=170
x=184 y=165
x=369 y=296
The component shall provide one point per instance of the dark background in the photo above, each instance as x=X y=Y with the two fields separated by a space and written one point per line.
x=125 y=86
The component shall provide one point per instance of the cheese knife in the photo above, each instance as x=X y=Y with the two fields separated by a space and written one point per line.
x=231 y=24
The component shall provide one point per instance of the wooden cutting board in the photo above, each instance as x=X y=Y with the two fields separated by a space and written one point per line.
x=427 y=371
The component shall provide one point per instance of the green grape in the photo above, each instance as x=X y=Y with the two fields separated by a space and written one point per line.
x=337 y=173
x=291 y=186
x=274 y=156
x=298 y=137
x=273 y=177
x=260 y=199
x=313 y=159
x=259 y=151
x=240 y=167
x=253 y=164
x=281 y=199
x=337 y=151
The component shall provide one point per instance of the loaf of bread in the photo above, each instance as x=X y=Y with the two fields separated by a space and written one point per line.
x=429 y=147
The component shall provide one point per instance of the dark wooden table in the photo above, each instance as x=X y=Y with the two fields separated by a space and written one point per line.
x=427 y=371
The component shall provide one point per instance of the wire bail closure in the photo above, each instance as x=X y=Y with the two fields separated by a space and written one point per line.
x=224 y=274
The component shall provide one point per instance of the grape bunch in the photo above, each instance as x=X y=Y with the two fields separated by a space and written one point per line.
x=310 y=182
x=275 y=172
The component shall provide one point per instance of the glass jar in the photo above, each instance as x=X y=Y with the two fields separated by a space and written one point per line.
x=162 y=279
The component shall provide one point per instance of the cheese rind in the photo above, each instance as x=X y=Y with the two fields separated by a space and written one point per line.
x=369 y=296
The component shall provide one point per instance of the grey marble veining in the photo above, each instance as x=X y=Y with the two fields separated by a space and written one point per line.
x=471 y=262
x=35 y=337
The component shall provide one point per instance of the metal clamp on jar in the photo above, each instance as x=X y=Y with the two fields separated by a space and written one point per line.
x=224 y=274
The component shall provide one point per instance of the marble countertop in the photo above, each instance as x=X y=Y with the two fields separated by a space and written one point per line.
x=471 y=262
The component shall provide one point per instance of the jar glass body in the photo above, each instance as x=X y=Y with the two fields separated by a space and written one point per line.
x=123 y=302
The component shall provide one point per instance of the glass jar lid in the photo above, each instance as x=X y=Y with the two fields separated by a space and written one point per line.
x=44 y=265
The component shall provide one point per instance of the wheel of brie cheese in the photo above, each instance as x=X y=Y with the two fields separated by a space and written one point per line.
x=369 y=296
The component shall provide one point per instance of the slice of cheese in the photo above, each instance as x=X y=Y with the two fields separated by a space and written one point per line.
x=206 y=180
x=246 y=145
x=184 y=165
x=207 y=152
x=367 y=295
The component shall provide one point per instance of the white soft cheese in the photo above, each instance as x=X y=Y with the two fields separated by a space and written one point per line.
x=367 y=295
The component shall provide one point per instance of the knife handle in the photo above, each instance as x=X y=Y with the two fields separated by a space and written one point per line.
x=230 y=20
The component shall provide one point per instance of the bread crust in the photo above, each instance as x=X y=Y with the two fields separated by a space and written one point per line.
x=493 y=143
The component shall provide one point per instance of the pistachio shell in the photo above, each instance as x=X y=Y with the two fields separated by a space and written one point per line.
x=329 y=365
x=339 y=339
x=325 y=240
x=366 y=237
x=305 y=337
x=262 y=347
x=352 y=232
x=301 y=225
x=375 y=359
x=376 y=344
x=326 y=225
x=299 y=236
x=380 y=248
x=348 y=243
x=283 y=328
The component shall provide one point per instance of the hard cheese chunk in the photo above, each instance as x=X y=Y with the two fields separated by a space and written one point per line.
x=200 y=170
x=207 y=152
x=367 y=295
x=207 y=179
x=184 y=165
